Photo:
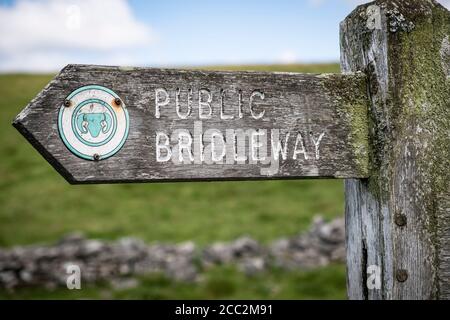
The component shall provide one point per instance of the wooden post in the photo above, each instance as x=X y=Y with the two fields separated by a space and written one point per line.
x=398 y=220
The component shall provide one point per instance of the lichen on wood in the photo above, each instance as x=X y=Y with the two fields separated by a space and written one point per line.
x=353 y=108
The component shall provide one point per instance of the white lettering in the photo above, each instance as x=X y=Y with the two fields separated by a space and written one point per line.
x=202 y=104
x=165 y=146
x=256 y=144
x=159 y=103
x=219 y=157
x=224 y=116
x=302 y=150
x=276 y=149
x=184 y=143
x=252 y=96
x=178 y=107
x=317 y=143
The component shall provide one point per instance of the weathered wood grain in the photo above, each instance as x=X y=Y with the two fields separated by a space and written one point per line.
x=312 y=105
x=398 y=219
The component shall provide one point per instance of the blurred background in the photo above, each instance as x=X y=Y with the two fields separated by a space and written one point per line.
x=37 y=206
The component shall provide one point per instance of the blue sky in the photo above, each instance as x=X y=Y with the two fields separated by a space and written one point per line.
x=205 y=32
x=45 y=35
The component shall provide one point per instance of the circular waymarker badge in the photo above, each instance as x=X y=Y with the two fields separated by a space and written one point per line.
x=93 y=122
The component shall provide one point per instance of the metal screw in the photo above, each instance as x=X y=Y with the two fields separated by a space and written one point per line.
x=400 y=219
x=401 y=275
x=118 y=101
x=96 y=157
x=67 y=103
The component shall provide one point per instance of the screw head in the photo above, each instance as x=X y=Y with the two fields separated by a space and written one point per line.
x=96 y=157
x=401 y=275
x=67 y=103
x=400 y=219
x=117 y=101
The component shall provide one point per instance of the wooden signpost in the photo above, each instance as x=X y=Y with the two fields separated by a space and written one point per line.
x=383 y=125
x=197 y=125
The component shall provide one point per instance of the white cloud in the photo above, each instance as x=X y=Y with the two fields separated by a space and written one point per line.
x=288 y=56
x=445 y=3
x=47 y=34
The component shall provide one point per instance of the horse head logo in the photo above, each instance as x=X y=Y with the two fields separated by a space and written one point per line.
x=94 y=123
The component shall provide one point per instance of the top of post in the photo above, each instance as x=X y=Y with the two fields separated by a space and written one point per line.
x=401 y=14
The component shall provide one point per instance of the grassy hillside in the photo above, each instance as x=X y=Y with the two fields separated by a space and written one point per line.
x=37 y=205
x=305 y=68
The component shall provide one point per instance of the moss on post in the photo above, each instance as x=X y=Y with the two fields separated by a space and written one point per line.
x=405 y=56
x=353 y=108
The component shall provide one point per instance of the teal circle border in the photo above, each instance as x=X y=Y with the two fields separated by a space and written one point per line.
x=64 y=139
x=75 y=113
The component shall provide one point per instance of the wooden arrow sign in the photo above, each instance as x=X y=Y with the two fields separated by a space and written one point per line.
x=98 y=124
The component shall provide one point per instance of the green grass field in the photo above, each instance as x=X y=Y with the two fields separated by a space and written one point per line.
x=37 y=205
